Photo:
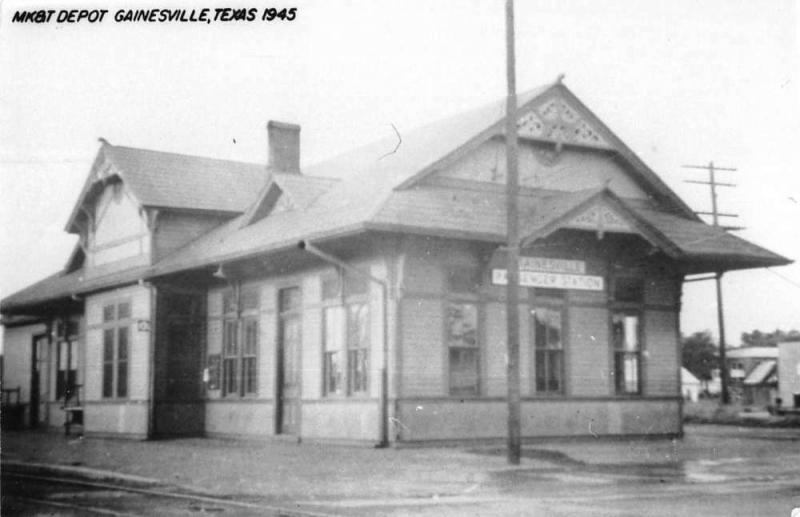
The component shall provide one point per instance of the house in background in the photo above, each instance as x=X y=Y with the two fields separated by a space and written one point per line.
x=363 y=299
x=691 y=386
x=760 y=387
x=789 y=374
x=753 y=374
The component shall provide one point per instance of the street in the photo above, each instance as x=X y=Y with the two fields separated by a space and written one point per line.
x=714 y=470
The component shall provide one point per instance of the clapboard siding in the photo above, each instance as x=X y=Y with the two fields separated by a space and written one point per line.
x=661 y=353
x=589 y=359
x=422 y=352
x=574 y=170
x=138 y=345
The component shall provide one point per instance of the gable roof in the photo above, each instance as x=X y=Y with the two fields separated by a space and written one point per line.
x=763 y=373
x=299 y=191
x=378 y=191
x=688 y=377
x=177 y=181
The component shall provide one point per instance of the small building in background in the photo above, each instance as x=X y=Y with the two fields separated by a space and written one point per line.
x=760 y=387
x=789 y=374
x=741 y=361
x=691 y=386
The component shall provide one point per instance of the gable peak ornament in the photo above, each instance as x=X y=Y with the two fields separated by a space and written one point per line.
x=556 y=120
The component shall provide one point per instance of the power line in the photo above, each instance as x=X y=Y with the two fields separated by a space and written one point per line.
x=786 y=278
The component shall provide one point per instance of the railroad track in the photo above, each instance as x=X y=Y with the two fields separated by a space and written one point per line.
x=24 y=491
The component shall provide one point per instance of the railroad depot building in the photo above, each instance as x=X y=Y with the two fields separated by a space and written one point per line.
x=188 y=306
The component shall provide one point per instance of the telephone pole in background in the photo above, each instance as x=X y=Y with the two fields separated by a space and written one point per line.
x=716 y=214
x=512 y=225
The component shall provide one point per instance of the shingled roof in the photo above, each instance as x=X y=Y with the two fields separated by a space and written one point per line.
x=177 y=181
x=380 y=190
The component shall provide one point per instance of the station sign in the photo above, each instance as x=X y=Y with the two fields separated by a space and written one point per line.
x=551 y=274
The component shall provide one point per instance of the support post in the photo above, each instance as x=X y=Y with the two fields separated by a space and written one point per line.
x=724 y=373
x=512 y=267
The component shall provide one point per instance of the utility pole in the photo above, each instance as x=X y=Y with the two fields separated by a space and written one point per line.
x=716 y=214
x=512 y=225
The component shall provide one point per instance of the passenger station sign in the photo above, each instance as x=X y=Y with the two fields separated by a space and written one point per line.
x=552 y=274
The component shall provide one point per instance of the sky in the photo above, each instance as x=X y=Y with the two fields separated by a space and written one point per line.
x=680 y=81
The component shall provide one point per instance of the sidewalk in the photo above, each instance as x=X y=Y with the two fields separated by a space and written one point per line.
x=277 y=471
x=281 y=472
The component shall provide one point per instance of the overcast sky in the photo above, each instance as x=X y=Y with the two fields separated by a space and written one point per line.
x=682 y=82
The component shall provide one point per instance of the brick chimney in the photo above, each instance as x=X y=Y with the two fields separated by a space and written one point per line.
x=284 y=147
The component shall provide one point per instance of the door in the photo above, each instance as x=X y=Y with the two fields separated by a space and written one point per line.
x=179 y=409
x=288 y=375
x=38 y=399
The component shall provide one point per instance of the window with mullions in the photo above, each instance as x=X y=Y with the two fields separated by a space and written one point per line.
x=357 y=347
x=116 y=335
x=461 y=330
x=462 y=343
x=346 y=336
x=240 y=340
x=549 y=350
x=67 y=360
x=627 y=353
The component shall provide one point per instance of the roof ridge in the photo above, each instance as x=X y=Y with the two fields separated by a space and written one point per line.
x=183 y=155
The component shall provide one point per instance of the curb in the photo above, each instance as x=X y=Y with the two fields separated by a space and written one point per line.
x=86 y=473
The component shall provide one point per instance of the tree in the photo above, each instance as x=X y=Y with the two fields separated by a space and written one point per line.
x=758 y=338
x=700 y=354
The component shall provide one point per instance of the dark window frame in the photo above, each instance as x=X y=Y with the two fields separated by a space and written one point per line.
x=462 y=286
x=622 y=354
x=116 y=344
x=241 y=324
x=544 y=353
x=342 y=294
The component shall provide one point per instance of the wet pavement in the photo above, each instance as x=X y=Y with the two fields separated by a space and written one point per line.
x=714 y=470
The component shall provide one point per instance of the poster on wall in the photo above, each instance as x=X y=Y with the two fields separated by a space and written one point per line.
x=212 y=372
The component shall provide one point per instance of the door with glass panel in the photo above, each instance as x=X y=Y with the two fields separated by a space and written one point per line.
x=39 y=384
x=288 y=375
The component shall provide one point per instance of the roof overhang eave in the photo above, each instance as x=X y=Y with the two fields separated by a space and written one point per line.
x=277 y=247
x=713 y=263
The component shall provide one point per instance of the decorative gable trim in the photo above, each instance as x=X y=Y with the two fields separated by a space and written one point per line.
x=604 y=212
x=557 y=121
x=601 y=218
x=585 y=128
x=101 y=172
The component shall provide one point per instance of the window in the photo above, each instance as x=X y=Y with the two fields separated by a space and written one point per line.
x=627 y=352
x=67 y=374
x=462 y=342
x=346 y=335
x=240 y=341
x=333 y=337
x=548 y=351
x=357 y=347
x=116 y=349
x=67 y=360
x=230 y=356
